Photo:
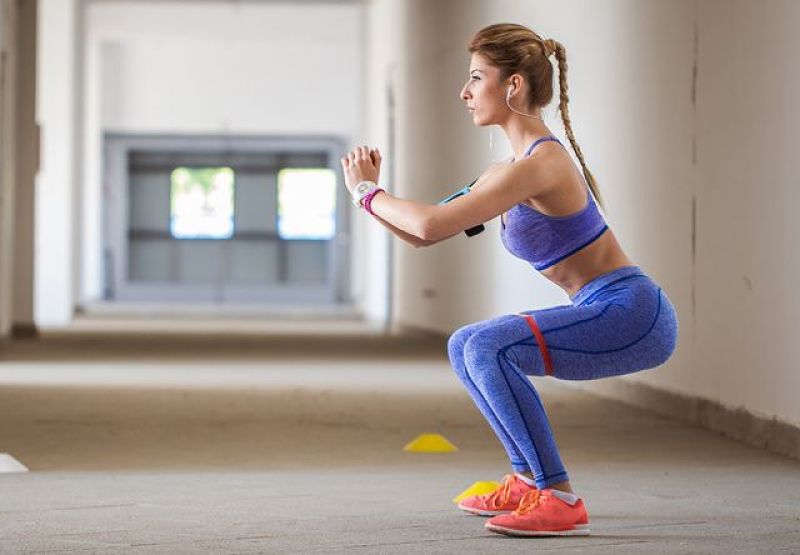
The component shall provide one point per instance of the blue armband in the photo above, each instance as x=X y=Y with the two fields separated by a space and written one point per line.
x=473 y=230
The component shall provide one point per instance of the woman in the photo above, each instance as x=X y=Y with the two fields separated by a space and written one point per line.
x=619 y=320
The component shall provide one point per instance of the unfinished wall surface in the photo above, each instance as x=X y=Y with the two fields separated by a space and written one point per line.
x=27 y=155
x=747 y=305
x=686 y=121
x=55 y=186
x=212 y=68
x=686 y=113
x=18 y=164
x=8 y=56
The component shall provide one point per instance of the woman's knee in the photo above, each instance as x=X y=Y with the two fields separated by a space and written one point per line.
x=481 y=353
x=455 y=347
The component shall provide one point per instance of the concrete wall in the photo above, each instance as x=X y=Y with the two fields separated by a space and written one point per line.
x=386 y=36
x=18 y=164
x=57 y=111
x=747 y=306
x=685 y=113
x=173 y=67
x=8 y=56
x=27 y=162
x=479 y=268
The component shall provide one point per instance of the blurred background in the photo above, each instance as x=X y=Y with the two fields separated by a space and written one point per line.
x=170 y=187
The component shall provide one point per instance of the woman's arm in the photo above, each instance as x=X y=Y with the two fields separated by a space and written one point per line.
x=413 y=240
x=362 y=164
x=493 y=194
x=407 y=237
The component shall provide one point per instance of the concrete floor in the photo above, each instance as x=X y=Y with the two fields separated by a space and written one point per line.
x=304 y=455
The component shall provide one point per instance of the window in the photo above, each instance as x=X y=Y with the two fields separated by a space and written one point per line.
x=201 y=203
x=306 y=203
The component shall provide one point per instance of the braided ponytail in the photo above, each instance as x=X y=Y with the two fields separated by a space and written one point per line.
x=561 y=57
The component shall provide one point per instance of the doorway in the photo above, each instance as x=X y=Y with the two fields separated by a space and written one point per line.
x=225 y=220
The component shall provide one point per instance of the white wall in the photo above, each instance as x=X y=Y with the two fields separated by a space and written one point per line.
x=631 y=66
x=215 y=69
x=55 y=203
x=175 y=67
x=658 y=141
x=747 y=301
x=376 y=251
x=448 y=152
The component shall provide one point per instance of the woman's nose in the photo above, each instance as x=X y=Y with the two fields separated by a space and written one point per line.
x=464 y=95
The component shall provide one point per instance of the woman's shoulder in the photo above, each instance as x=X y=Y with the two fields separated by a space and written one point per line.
x=553 y=165
x=492 y=169
x=521 y=179
x=564 y=180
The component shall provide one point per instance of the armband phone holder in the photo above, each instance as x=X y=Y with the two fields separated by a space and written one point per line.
x=473 y=230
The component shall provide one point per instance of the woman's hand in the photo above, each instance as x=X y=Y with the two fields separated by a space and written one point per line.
x=361 y=164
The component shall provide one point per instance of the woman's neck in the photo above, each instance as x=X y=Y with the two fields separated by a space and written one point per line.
x=521 y=131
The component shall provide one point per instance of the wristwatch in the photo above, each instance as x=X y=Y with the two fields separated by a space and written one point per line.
x=362 y=190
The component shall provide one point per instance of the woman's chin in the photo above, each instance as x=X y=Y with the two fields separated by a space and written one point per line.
x=482 y=120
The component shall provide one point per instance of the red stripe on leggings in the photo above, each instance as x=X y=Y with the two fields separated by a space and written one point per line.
x=548 y=362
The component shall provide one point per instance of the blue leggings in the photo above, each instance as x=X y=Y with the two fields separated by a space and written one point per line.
x=618 y=323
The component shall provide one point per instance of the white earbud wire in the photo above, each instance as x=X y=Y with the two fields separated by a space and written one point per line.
x=510 y=107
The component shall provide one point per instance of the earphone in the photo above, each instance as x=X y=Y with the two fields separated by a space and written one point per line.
x=510 y=89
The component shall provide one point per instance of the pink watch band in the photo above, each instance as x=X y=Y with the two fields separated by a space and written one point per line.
x=367 y=202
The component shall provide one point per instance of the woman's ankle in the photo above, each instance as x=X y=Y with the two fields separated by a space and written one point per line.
x=562 y=486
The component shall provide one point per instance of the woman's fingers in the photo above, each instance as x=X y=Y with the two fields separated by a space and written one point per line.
x=363 y=154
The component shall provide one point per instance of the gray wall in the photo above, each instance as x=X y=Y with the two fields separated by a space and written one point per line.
x=695 y=169
x=27 y=156
x=690 y=140
x=8 y=47
x=18 y=163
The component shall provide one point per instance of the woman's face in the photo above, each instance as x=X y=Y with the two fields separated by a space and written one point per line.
x=484 y=93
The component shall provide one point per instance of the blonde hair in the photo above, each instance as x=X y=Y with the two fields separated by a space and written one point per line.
x=516 y=49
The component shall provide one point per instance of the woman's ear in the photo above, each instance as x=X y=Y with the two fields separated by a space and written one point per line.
x=514 y=84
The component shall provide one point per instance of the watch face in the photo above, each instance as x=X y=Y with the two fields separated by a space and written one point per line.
x=363 y=187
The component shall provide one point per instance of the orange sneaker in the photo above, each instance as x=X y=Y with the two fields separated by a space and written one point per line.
x=541 y=513
x=503 y=500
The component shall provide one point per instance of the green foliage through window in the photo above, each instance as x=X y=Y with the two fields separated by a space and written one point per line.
x=201 y=203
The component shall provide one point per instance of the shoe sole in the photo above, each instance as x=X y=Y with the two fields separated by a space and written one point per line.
x=481 y=512
x=579 y=530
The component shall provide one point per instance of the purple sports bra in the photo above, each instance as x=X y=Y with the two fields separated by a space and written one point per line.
x=544 y=240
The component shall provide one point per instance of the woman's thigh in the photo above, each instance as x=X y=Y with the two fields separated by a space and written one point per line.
x=460 y=337
x=626 y=329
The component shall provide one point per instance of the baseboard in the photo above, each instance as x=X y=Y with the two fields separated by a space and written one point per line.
x=24 y=331
x=767 y=433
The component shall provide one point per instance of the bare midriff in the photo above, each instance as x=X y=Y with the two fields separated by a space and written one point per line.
x=602 y=256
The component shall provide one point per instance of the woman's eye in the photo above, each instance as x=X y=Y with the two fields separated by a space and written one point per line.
x=474 y=78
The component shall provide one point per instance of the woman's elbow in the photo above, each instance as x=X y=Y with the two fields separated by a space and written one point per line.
x=430 y=232
x=424 y=243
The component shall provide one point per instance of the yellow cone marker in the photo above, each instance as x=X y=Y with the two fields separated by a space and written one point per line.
x=430 y=443
x=478 y=488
